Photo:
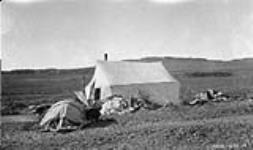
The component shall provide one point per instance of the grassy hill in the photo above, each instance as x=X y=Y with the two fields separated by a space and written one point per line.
x=200 y=64
x=171 y=63
x=21 y=88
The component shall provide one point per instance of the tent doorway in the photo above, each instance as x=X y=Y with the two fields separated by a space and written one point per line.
x=97 y=93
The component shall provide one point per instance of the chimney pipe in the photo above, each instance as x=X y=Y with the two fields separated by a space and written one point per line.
x=105 y=57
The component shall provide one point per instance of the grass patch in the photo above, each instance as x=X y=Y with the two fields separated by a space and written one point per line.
x=143 y=135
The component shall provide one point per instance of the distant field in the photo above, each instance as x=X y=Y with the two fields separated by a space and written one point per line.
x=19 y=91
x=22 y=88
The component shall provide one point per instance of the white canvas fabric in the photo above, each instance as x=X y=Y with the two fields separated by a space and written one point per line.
x=81 y=97
x=122 y=73
x=131 y=78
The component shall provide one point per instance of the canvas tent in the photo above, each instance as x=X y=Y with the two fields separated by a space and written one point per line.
x=133 y=79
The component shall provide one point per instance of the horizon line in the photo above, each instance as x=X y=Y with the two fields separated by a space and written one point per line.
x=138 y=59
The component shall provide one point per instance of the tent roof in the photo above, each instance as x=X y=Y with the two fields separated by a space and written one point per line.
x=123 y=72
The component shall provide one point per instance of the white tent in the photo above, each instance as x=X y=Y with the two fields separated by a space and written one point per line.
x=136 y=79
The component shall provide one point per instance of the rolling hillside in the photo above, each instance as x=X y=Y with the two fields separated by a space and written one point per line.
x=21 y=88
x=171 y=63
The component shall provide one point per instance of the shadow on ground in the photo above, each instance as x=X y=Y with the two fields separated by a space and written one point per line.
x=100 y=123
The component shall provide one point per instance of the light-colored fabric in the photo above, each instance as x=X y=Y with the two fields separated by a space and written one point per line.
x=159 y=93
x=124 y=73
x=129 y=78
x=81 y=97
x=113 y=106
x=67 y=109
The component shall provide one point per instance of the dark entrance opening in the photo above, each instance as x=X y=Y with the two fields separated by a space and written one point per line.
x=97 y=93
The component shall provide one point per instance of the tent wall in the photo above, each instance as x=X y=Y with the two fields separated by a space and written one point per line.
x=132 y=79
x=160 y=93
x=98 y=80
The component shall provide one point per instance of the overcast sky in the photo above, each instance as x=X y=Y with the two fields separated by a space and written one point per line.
x=75 y=33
